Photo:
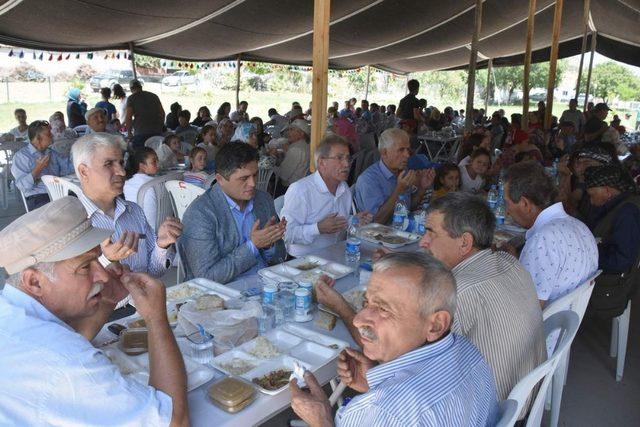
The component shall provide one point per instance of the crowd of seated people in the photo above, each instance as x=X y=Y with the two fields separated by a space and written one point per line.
x=461 y=299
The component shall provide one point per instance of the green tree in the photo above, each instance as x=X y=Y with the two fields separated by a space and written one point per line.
x=512 y=78
x=611 y=80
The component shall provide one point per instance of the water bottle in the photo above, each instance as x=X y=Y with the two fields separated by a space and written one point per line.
x=400 y=214
x=492 y=197
x=500 y=212
x=421 y=219
x=352 y=247
x=352 y=230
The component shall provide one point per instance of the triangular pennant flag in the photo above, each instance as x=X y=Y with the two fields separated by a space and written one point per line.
x=41 y=56
x=11 y=52
x=77 y=56
x=34 y=54
x=191 y=66
x=60 y=57
x=21 y=54
x=51 y=57
x=90 y=55
x=118 y=56
x=68 y=56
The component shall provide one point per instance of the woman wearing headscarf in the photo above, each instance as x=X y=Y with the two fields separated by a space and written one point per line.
x=247 y=132
x=76 y=108
x=224 y=131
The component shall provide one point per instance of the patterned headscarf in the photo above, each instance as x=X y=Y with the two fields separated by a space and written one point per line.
x=74 y=94
x=243 y=131
x=614 y=176
x=595 y=152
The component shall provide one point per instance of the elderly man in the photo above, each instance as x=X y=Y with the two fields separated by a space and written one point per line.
x=96 y=119
x=232 y=229
x=317 y=206
x=497 y=307
x=380 y=186
x=98 y=162
x=35 y=160
x=617 y=228
x=144 y=116
x=414 y=371
x=240 y=115
x=295 y=164
x=560 y=251
x=56 y=299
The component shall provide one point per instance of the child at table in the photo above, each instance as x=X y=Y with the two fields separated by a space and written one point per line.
x=447 y=180
x=198 y=160
x=141 y=167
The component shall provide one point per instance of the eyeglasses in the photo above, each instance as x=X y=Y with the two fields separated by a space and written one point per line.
x=341 y=158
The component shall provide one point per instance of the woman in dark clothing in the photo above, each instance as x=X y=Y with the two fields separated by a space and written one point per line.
x=76 y=108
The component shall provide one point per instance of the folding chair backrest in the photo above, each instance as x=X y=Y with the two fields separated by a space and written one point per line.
x=58 y=187
x=576 y=300
x=182 y=195
x=264 y=176
x=567 y=322
x=163 y=199
x=154 y=142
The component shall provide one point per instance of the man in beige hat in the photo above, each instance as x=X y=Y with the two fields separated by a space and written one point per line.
x=98 y=162
x=295 y=164
x=57 y=298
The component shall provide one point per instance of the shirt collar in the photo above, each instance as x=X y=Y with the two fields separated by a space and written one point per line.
x=385 y=170
x=91 y=207
x=322 y=186
x=466 y=262
x=235 y=207
x=380 y=373
x=34 y=150
x=32 y=307
x=552 y=212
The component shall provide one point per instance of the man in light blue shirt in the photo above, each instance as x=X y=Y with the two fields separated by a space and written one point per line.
x=414 y=370
x=380 y=186
x=34 y=161
x=232 y=229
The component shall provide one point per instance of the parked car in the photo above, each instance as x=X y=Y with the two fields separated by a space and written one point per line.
x=180 y=78
x=110 y=78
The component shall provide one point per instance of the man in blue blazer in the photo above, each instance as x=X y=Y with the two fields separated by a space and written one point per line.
x=232 y=230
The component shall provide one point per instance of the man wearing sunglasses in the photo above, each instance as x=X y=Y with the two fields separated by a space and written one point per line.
x=317 y=206
x=34 y=161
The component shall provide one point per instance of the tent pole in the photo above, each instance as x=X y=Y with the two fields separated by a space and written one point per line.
x=321 y=16
x=238 y=65
x=553 y=62
x=471 y=78
x=486 y=95
x=594 y=37
x=587 y=5
x=527 y=64
x=366 y=90
x=133 y=61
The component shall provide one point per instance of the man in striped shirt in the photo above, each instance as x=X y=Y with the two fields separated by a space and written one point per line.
x=497 y=306
x=98 y=162
x=414 y=371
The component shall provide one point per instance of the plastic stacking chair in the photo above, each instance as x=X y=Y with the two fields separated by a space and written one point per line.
x=264 y=176
x=4 y=187
x=619 y=335
x=278 y=204
x=567 y=322
x=182 y=195
x=163 y=200
x=58 y=187
x=154 y=142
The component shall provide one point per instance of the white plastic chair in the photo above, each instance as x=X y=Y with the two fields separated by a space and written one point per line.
x=154 y=142
x=163 y=200
x=568 y=323
x=576 y=301
x=264 y=176
x=278 y=204
x=4 y=184
x=210 y=181
x=58 y=187
x=182 y=195
x=619 y=335
x=24 y=201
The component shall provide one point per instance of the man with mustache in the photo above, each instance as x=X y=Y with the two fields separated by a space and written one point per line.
x=317 y=206
x=414 y=371
x=380 y=186
x=57 y=298
x=232 y=229
x=99 y=165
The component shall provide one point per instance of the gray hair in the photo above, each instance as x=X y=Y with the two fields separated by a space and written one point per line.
x=466 y=213
x=323 y=150
x=436 y=284
x=390 y=137
x=84 y=149
x=46 y=268
x=530 y=180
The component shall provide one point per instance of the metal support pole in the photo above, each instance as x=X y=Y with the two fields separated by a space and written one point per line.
x=553 y=62
x=321 y=16
x=471 y=78
x=50 y=94
x=366 y=90
x=594 y=37
x=133 y=61
x=238 y=65
x=527 y=64
x=585 y=18
x=486 y=95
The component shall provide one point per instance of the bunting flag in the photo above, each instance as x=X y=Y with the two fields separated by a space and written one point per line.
x=11 y=52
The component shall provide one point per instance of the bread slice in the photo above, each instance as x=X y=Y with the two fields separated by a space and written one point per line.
x=325 y=320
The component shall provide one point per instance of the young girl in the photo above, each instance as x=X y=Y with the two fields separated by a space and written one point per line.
x=170 y=153
x=472 y=174
x=447 y=180
x=196 y=175
x=142 y=165
x=207 y=139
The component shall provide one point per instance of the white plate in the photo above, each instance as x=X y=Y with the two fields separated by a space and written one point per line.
x=308 y=259
x=197 y=374
x=312 y=275
x=315 y=337
x=227 y=357
x=366 y=233
x=224 y=291
x=279 y=338
x=269 y=276
x=336 y=270
x=284 y=362
x=314 y=354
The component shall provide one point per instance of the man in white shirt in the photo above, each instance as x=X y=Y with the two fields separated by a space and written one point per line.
x=240 y=115
x=560 y=252
x=20 y=132
x=295 y=164
x=58 y=296
x=317 y=206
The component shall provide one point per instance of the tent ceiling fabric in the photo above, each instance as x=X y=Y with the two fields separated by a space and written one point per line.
x=397 y=35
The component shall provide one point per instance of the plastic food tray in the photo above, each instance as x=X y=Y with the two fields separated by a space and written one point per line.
x=289 y=270
x=346 y=295
x=368 y=231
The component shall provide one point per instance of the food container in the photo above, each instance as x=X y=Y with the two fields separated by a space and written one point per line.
x=201 y=347
x=303 y=305
x=269 y=294
x=231 y=394
x=134 y=341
